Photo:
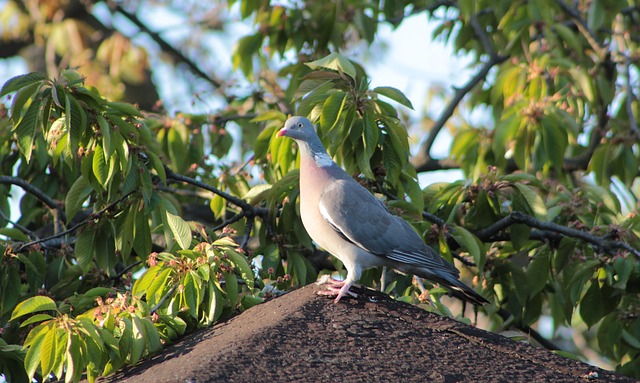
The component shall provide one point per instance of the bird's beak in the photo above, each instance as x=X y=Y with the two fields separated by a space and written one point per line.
x=282 y=132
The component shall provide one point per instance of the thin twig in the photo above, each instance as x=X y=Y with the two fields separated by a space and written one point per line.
x=247 y=208
x=89 y=218
x=164 y=298
x=230 y=221
x=29 y=233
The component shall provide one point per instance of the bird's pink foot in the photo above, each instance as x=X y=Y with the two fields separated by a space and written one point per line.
x=335 y=288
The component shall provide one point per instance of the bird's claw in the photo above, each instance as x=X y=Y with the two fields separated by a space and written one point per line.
x=335 y=288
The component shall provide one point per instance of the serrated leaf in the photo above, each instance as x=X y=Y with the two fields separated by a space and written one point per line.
x=538 y=273
x=99 y=166
x=32 y=305
x=27 y=128
x=257 y=193
x=158 y=165
x=191 y=294
x=32 y=358
x=331 y=110
x=214 y=309
x=85 y=249
x=14 y=233
x=394 y=94
x=519 y=235
x=470 y=243
x=48 y=354
x=592 y=305
x=153 y=338
x=534 y=200
x=137 y=339
x=336 y=62
x=36 y=319
x=240 y=262
x=76 y=196
x=105 y=132
x=180 y=230
x=19 y=82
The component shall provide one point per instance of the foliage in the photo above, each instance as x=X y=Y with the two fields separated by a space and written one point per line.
x=113 y=256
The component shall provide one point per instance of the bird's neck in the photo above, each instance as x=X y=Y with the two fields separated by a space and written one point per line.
x=316 y=151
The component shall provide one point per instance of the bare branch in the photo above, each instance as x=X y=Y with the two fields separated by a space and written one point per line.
x=90 y=217
x=515 y=217
x=247 y=209
x=423 y=161
x=35 y=191
x=18 y=226
x=175 y=53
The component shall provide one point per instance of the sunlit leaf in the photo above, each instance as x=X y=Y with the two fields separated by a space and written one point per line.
x=33 y=305
x=180 y=229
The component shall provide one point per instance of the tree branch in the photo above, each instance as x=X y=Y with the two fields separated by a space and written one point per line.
x=515 y=217
x=584 y=28
x=247 y=209
x=423 y=161
x=89 y=218
x=36 y=192
x=175 y=53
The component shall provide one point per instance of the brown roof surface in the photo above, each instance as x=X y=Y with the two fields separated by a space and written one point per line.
x=302 y=337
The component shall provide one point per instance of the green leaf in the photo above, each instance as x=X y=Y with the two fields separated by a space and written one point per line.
x=243 y=51
x=100 y=170
x=180 y=229
x=257 y=193
x=158 y=165
x=36 y=319
x=592 y=305
x=48 y=355
x=394 y=94
x=534 y=200
x=470 y=243
x=240 y=262
x=336 y=62
x=137 y=339
x=191 y=293
x=27 y=128
x=14 y=233
x=76 y=196
x=153 y=338
x=331 y=110
x=32 y=358
x=32 y=305
x=105 y=132
x=217 y=206
x=19 y=82
x=519 y=235
x=214 y=306
x=538 y=273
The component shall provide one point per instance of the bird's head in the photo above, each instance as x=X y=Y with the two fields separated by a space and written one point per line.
x=298 y=128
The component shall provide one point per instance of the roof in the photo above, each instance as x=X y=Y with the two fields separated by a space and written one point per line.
x=303 y=337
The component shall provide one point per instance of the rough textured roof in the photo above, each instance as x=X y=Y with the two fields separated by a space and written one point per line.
x=302 y=337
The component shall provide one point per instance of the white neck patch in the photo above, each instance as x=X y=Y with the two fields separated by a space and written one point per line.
x=322 y=160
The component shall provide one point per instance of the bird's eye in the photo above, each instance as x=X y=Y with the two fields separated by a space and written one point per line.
x=300 y=125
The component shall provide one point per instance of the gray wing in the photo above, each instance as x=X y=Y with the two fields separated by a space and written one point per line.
x=362 y=219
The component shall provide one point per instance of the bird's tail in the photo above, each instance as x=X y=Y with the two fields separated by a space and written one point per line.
x=460 y=290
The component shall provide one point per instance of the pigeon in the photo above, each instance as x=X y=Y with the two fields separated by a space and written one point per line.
x=349 y=222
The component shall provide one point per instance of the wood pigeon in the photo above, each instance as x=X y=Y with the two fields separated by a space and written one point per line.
x=346 y=220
